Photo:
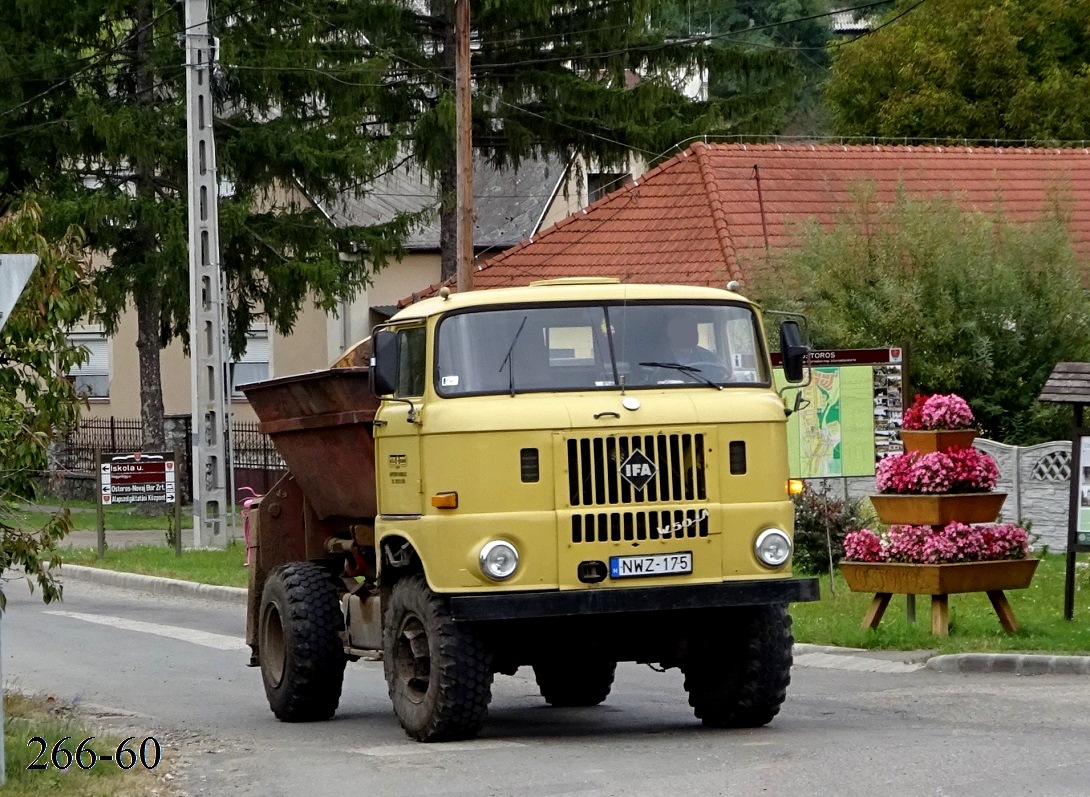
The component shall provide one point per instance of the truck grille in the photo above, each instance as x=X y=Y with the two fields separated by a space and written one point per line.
x=672 y=524
x=594 y=476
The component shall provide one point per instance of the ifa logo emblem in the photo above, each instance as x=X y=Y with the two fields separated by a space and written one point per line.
x=638 y=470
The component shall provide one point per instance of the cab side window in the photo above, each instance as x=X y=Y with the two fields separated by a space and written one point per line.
x=411 y=355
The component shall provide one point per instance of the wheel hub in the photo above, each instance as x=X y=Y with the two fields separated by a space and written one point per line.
x=412 y=659
x=273 y=651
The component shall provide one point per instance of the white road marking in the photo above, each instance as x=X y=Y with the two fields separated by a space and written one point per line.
x=203 y=638
x=830 y=661
x=387 y=750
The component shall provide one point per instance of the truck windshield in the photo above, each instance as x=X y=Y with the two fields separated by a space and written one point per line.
x=595 y=347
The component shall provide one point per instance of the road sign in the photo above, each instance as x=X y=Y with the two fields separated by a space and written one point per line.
x=138 y=478
x=15 y=270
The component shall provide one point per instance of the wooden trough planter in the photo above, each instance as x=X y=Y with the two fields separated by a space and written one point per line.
x=887 y=579
x=938 y=509
x=927 y=441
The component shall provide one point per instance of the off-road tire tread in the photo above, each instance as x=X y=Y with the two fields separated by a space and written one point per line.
x=572 y=684
x=743 y=686
x=461 y=672
x=312 y=623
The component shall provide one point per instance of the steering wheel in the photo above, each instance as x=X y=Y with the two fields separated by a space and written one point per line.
x=717 y=372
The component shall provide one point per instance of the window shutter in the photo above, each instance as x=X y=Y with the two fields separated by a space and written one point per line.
x=98 y=363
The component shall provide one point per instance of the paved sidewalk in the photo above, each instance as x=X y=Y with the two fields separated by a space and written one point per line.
x=820 y=656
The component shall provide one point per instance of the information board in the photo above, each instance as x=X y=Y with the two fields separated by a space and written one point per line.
x=137 y=478
x=852 y=411
x=1082 y=523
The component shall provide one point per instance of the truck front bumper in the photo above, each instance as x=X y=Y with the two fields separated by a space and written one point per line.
x=630 y=600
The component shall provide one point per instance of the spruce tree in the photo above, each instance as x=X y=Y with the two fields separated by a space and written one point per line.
x=92 y=116
x=315 y=98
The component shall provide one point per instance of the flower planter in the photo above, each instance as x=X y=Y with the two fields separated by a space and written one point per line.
x=945 y=579
x=938 y=509
x=886 y=579
x=927 y=441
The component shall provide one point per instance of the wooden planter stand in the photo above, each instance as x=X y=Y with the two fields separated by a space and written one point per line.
x=939 y=581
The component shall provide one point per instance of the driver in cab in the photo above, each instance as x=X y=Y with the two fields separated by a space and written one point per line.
x=682 y=336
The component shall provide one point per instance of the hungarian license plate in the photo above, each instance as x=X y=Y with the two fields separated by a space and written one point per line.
x=663 y=564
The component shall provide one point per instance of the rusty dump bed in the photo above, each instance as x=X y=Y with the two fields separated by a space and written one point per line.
x=321 y=423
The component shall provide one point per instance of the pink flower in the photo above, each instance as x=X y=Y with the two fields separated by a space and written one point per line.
x=972 y=470
x=938 y=412
x=955 y=542
x=863 y=546
x=958 y=470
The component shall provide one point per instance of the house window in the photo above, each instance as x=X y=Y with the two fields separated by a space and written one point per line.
x=601 y=183
x=92 y=378
x=253 y=365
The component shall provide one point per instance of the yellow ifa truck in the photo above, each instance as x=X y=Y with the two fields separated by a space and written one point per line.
x=562 y=476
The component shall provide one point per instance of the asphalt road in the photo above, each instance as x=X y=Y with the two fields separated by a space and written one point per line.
x=175 y=669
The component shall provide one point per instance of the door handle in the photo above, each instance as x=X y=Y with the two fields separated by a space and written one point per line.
x=606 y=414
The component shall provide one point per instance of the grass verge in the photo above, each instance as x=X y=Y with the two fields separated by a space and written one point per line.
x=222 y=567
x=835 y=619
x=117 y=517
x=26 y=717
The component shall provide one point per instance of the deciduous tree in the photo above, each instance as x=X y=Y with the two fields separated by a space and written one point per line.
x=36 y=400
x=984 y=306
x=968 y=69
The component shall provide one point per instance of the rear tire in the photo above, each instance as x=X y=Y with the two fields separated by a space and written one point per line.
x=566 y=684
x=740 y=680
x=439 y=672
x=299 y=644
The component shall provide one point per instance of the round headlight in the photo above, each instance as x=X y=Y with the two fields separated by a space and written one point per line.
x=499 y=560
x=773 y=547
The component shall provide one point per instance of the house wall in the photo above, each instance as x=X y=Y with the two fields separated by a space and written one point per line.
x=413 y=273
x=572 y=195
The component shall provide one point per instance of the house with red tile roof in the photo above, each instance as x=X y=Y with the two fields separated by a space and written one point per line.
x=709 y=214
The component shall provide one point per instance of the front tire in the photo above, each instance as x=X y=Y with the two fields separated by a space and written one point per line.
x=740 y=680
x=439 y=672
x=566 y=684
x=299 y=644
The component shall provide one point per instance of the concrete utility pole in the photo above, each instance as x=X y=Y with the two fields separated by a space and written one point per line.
x=464 y=147
x=207 y=317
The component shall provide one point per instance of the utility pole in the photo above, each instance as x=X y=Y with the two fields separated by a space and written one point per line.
x=464 y=147
x=207 y=325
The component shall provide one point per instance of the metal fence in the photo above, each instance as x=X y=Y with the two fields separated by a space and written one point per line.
x=256 y=461
x=76 y=454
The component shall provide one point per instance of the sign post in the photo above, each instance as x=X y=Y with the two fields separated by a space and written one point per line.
x=1069 y=383
x=137 y=478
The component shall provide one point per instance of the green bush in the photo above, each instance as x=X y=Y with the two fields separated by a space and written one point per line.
x=819 y=519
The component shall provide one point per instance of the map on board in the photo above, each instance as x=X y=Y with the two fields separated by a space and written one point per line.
x=819 y=428
x=851 y=412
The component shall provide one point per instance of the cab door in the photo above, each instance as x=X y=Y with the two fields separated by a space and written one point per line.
x=397 y=423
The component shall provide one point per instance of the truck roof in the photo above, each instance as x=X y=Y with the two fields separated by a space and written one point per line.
x=571 y=289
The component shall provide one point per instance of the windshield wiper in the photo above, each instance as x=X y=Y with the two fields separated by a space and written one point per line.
x=509 y=361
x=686 y=369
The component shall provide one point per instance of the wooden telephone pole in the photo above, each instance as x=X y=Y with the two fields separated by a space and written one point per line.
x=464 y=147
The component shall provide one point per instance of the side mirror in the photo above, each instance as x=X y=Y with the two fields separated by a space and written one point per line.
x=793 y=350
x=384 y=362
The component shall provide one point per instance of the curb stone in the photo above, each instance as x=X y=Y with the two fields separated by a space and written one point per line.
x=1008 y=663
x=155 y=584
x=1014 y=663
